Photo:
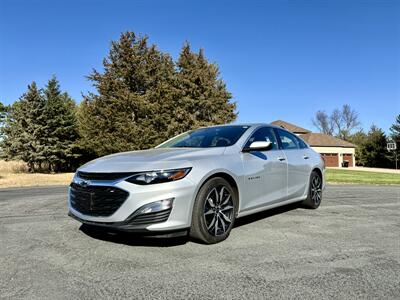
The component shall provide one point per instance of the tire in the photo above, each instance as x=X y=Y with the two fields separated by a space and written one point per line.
x=314 y=196
x=213 y=216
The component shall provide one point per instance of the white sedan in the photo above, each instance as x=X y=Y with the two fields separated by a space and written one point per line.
x=198 y=182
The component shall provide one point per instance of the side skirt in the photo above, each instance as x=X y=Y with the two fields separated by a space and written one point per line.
x=270 y=206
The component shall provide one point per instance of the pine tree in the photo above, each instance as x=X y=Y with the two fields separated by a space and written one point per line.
x=133 y=107
x=3 y=113
x=373 y=152
x=60 y=143
x=4 y=110
x=395 y=136
x=143 y=98
x=359 y=139
x=395 y=129
x=24 y=129
x=204 y=98
x=40 y=129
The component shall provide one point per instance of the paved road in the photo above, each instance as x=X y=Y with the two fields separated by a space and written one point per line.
x=348 y=248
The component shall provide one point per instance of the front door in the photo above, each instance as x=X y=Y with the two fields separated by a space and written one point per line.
x=265 y=172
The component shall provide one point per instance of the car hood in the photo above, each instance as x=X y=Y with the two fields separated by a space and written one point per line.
x=152 y=159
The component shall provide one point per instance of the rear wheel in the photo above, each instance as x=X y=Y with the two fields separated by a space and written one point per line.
x=314 y=191
x=214 y=211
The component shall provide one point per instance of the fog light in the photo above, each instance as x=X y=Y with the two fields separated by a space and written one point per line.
x=156 y=206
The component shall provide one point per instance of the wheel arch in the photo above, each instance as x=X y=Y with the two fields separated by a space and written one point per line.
x=225 y=175
x=319 y=172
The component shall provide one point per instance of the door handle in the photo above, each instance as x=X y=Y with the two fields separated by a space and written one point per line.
x=281 y=158
x=306 y=157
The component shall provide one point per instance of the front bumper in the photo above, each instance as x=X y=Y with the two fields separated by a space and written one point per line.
x=131 y=228
x=124 y=218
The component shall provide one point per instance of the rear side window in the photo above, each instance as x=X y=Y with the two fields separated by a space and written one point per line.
x=301 y=143
x=264 y=134
x=288 y=140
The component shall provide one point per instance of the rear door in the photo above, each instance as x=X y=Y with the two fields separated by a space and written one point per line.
x=297 y=156
x=265 y=172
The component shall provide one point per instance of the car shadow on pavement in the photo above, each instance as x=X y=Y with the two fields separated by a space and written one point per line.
x=266 y=214
x=132 y=239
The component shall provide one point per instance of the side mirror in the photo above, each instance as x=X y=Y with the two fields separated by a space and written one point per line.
x=258 y=146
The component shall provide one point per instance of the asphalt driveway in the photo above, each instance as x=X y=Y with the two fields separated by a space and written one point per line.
x=348 y=248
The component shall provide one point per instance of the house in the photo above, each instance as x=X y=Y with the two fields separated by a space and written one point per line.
x=333 y=150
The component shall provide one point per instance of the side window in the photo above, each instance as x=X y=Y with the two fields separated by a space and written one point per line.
x=264 y=134
x=301 y=143
x=288 y=140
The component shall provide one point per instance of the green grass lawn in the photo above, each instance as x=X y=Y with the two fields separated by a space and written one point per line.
x=347 y=176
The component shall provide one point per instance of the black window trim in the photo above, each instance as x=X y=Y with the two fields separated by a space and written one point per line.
x=261 y=127
x=300 y=140
x=280 y=142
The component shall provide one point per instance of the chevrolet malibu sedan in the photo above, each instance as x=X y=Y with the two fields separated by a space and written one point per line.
x=198 y=182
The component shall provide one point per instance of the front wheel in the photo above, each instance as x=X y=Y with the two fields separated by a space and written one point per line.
x=314 y=196
x=214 y=211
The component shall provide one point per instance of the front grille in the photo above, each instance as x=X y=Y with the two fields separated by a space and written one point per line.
x=97 y=200
x=156 y=217
x=103 y=176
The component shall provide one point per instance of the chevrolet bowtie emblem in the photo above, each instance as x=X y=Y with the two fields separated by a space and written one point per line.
x=84 y=183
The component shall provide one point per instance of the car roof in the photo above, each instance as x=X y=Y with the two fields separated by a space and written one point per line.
x=247 y=124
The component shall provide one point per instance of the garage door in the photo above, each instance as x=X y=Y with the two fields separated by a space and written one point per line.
x=331 y=159
x=349 y=158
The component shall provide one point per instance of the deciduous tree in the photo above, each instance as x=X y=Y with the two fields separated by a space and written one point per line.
x=341 y=122
x=323 y=122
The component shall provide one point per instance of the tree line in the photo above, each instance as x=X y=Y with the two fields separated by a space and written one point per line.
x=143 y=98
x=371 y=150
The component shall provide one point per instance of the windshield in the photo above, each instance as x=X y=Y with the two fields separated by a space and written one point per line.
x=221 y=136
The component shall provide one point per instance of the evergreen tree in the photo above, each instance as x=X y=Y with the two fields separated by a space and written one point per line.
x=131 y=110
x=359 y=139
x=373 y=152
x=24 y=129
x=60 y=143
x=142 y=99
x=40 y=129
x=3 y=113
x=204 y=99
x=395 y=129
x=395 y=135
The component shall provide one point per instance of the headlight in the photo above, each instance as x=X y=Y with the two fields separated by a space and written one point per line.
x=153 y=177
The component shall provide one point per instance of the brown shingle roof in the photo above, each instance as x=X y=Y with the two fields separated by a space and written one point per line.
x=324 y=140
x=291 y=127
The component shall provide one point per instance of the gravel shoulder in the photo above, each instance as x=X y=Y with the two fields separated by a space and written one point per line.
x=349 y=248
